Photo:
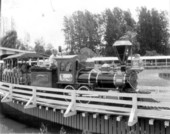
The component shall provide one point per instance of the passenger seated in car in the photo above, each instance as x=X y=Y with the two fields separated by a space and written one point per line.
x=52 y=61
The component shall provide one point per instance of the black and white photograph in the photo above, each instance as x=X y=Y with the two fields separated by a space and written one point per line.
x=85 y=67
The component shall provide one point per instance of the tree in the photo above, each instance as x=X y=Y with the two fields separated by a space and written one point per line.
x=39 y=46
x=9 y=40
x=81 y=30
x=152 y=31
x=118 y=22
x=130 y=22
x=69 y=34
x=49 y=48
x=132 y=37
x=20 y=45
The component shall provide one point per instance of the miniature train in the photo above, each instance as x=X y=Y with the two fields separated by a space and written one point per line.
x=70 y=74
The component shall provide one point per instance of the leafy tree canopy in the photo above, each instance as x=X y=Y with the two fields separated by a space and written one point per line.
x=82 y=30
x=152 y=31
x=9 y=40
x=39 y=46
x=48 y=49
x=118 y=22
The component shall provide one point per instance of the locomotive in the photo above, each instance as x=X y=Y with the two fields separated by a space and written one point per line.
x=70 y=74
x=123 y=78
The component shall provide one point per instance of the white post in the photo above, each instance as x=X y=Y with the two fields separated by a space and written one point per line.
x=71 y=110
x=156 y=63
x=8 y=96
x=38 y=63
x=30 y=61
x=32 y=100
x=133 y=114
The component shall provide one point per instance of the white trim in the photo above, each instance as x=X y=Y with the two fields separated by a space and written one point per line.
x=16 y=50
x=97 y=77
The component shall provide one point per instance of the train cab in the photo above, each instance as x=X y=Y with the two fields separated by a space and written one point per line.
x=67 y=67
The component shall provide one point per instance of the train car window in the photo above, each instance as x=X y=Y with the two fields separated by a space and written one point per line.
x=110 y=62
x=69 y=67
x=151 y=62
x=96 y=62
x=77 y=65
x=116 y=61
x=62 y=66
x=161 y=62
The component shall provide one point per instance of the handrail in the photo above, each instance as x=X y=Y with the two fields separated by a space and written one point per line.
x=154 y=105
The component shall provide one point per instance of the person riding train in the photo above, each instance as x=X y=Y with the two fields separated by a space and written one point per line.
x=52 y=61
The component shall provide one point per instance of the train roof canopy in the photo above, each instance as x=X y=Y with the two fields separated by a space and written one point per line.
x=66 y=57
x=122 y=43
x=9 y=51
x=26 y=56
x=4 y=52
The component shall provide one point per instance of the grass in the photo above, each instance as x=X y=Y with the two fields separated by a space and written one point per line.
x=151 y=78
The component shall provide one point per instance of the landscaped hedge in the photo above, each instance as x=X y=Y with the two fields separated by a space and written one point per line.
x=165 y=76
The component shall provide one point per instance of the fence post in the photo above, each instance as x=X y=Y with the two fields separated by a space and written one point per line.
x=8 y=96
x=32 y=101
x=71 y=110
x=133 y=119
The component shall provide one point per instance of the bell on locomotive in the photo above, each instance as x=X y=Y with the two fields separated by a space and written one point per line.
x=125 y=79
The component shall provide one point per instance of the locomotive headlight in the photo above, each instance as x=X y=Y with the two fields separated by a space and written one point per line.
x=132 y=79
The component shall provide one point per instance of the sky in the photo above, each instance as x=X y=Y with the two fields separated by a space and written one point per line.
x=44 y=18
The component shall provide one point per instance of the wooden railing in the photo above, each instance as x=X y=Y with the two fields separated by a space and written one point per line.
x=11 y=78
x=155 y=105
x=15 y=78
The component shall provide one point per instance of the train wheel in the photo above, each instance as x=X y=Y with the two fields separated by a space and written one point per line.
x=69 y=87
x=84 y=88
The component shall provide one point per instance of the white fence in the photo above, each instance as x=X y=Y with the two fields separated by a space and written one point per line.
x=155 y=105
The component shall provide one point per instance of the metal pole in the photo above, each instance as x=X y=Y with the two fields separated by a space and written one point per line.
x=0 y=21
x=0 y=27
x=0 y=24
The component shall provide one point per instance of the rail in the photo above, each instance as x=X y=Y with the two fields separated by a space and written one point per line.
x=155 y=105
x=11 y=78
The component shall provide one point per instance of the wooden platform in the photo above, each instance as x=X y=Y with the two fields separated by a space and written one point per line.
x=97 y=125
x=100 y=112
